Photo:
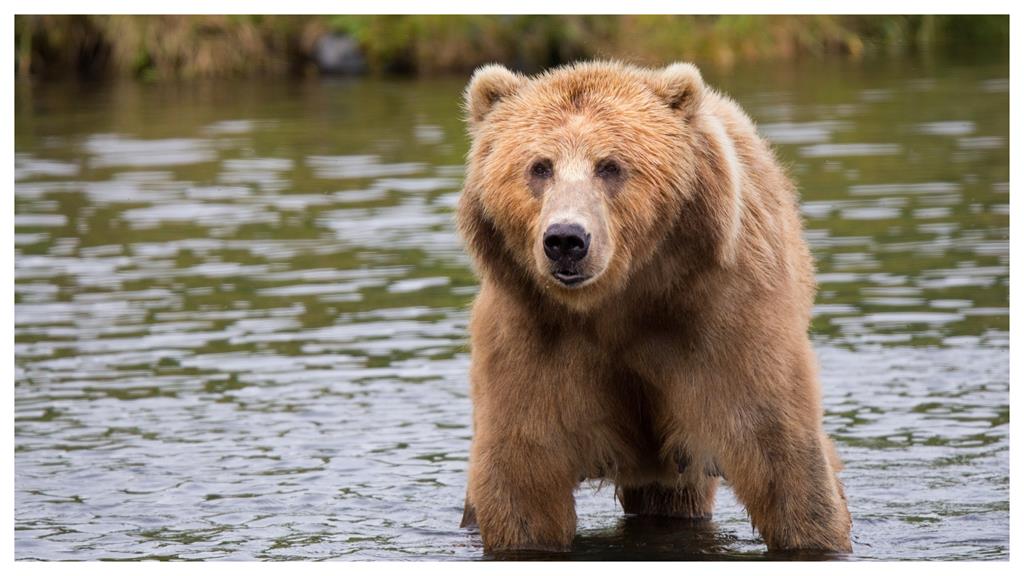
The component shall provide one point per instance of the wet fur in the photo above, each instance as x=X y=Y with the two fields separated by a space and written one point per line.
x=687 y=360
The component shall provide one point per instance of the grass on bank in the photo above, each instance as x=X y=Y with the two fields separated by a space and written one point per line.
x=164 y=47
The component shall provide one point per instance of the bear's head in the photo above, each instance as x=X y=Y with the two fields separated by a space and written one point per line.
x=576 y=177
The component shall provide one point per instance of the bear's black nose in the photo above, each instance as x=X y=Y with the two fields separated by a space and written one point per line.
x=566 y=242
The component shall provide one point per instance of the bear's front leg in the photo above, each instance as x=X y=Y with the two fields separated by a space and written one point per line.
x=787 y=480
x=522 y=495
x=532 y=395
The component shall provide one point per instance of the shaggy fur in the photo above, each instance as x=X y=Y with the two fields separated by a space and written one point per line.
x=684 y=357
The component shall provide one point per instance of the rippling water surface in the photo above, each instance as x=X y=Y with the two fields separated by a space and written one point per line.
x=240 y=317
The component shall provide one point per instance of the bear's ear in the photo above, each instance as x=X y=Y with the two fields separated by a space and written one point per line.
x=680 y=86
x=490 y=84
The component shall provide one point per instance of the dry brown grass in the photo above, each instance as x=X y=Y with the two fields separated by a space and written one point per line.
x=160 y=47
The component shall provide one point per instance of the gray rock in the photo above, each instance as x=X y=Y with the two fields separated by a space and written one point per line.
x=338 y=54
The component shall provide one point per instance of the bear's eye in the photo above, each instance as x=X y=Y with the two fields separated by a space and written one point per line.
x=608 y=169
x=542 y=169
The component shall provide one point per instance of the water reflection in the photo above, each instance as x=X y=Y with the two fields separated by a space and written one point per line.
x=240 y=318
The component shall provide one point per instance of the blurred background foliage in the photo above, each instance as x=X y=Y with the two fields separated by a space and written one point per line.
x=164 y=47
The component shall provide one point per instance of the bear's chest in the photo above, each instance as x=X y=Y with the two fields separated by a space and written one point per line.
x=652 y=340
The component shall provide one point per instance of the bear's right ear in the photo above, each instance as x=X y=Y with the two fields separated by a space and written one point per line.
x=680 y=85
x=490 y=84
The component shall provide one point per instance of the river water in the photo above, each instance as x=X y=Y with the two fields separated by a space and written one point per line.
x=240 y=317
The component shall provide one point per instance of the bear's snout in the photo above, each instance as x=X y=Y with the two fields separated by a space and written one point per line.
x=566 y=245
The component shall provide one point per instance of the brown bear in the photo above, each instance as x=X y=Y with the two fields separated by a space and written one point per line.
x=643 y=311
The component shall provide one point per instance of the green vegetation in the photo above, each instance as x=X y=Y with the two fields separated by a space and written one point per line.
x=157 y=47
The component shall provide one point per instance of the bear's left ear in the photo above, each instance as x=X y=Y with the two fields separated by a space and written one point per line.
x=680 y=85
x=489 y=85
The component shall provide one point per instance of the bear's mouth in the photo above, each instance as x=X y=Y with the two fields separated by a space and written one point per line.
x=569 y=277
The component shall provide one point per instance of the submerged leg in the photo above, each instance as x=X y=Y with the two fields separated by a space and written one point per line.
x=694 y=498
